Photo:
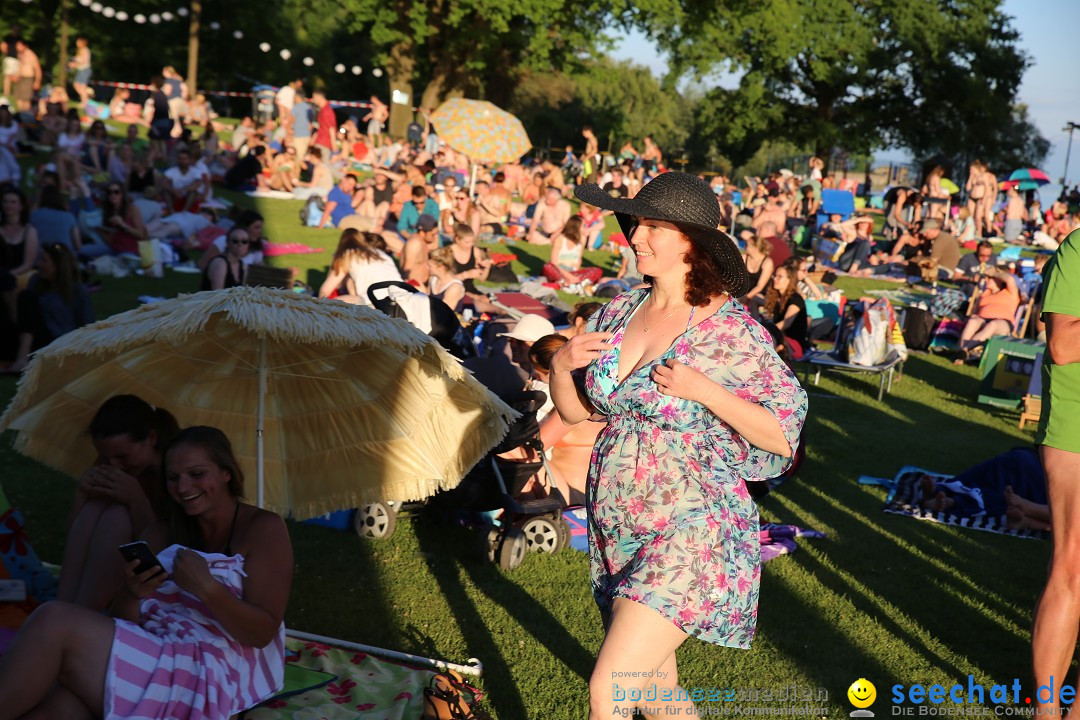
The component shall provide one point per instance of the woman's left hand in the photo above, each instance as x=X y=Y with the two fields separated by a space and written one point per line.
x=113 y=484
x=191 y=573
x=678 y=380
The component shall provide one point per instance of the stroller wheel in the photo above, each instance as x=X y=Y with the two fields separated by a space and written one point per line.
x=564 y=532
x=513 y=549
x=492 y=539
x=376 y=521
x=543 y=534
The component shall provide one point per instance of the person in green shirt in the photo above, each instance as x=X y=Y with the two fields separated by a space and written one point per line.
x=1057 y=613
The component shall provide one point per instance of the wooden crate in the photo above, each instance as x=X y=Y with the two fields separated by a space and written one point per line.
x=1032 y=410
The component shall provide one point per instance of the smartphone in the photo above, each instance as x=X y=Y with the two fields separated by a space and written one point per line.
x=140 y=551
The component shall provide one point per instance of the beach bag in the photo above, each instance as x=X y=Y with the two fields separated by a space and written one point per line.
x=873 y=335
x=445 y=698
x=501 y=272
x=312 y=211
x=918 y=327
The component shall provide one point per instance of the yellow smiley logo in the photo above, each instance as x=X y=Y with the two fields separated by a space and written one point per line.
x=862 y=693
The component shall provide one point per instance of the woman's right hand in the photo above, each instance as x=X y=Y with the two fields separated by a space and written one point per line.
x=144 y=584
x=580 y=351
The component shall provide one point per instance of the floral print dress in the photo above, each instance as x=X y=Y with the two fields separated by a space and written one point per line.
x=671 y=523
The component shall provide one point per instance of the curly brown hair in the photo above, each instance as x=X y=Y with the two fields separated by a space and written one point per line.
x=704 y=280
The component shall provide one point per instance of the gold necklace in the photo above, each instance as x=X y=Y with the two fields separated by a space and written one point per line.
x=646 y=321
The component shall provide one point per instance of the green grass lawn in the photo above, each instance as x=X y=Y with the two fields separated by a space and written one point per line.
x=883 y=597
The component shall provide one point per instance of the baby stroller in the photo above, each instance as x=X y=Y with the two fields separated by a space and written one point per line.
x=526 y=525
x=401 y=300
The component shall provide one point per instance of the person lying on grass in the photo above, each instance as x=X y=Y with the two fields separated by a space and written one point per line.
x=1011 y=484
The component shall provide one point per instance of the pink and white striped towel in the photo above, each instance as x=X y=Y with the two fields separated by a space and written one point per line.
x=178 y=662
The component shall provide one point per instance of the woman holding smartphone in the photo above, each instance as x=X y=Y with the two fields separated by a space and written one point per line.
x=201 y=638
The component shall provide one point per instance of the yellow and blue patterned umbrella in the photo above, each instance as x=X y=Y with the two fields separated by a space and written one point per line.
x=481 y=131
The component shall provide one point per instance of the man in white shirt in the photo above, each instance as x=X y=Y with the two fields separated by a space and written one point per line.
x=284 y=100
x=185 y=184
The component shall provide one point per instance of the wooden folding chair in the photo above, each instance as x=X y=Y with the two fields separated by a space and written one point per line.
x=1023 y=317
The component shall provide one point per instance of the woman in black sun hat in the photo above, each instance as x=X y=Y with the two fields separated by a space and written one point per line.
x=697 y=403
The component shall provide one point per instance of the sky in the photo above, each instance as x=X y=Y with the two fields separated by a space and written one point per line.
x=1051 y=86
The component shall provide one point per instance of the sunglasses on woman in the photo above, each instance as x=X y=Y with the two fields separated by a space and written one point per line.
x=236 y=241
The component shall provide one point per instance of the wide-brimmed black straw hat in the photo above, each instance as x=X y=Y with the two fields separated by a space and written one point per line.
x=683 y=200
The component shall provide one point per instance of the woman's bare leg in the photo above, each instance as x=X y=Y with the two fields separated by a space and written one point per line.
x=76 y=548
x=667 y=679
x=991 y=328
x=60 y=644
x=61 y=703
x=1057 y=613
x=101 y=573
x=638 y=640
x=972 y=327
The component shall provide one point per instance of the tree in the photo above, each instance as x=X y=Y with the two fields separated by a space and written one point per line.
x=472 y=47
x=932 y=75
x=619 y=100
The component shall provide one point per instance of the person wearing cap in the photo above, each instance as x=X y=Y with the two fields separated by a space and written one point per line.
x=944 y=247
x=414 y=257
x=698 y=403
x=522 y=336
x=421 y=204
x=1058 y=609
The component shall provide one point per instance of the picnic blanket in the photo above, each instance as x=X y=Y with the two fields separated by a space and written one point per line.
x=344 y=684
x=776 y=539
x=270 y=249
x=905 y=495
x=275 y=194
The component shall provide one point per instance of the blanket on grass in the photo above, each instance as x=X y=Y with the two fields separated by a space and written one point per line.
x=270 y=249
x=329 y=683
x=905 y=495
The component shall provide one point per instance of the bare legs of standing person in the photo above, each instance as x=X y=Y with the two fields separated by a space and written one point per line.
x=639 y=641
x=1057 y=613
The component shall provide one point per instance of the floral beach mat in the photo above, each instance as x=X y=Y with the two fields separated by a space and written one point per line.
x=344 y=684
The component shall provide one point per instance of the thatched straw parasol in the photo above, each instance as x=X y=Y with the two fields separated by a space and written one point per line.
x=334 y=405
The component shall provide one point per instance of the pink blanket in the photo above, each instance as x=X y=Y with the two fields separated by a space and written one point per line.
x=272 y=248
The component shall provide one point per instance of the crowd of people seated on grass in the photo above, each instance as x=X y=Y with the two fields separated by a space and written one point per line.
x=419 y=194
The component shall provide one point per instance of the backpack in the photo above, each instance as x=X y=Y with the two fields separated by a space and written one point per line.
x=312 y=211
x=415 y=134
x=918 y=327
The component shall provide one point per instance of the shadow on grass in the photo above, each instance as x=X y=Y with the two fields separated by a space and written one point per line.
x=336 y=562
x=462 y=553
